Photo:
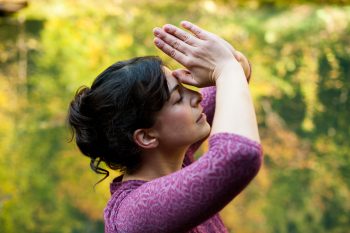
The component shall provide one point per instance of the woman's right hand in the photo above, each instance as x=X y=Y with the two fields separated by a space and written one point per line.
x=204 y=54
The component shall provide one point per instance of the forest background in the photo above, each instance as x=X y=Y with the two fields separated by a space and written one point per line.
x=300 y=53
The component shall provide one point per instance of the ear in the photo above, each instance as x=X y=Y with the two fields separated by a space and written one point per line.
x=145 y=138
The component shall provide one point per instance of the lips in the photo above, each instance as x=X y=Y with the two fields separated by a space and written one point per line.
x=201 y=117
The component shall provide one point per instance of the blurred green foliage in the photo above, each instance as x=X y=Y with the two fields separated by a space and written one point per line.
x=300 y=53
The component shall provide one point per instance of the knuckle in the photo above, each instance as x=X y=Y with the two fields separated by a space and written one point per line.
x=171 y=29
x=186 y=37
x=188 y=62
x=196 y=52
x=211 y=43
x=176 y=45
x=163 y=36
x=160 y=45
x=197 y=32
x=172 y=53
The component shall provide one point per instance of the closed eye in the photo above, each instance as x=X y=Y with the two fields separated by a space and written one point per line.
x=178 y=91
x=179 y=100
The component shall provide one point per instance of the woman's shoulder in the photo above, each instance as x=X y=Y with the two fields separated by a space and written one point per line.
x=118 y=186
x=119 y=191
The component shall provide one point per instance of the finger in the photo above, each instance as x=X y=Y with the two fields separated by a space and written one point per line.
x=238 y=55
x=197 y=31
x=170 y=51
x=250 y=71
x=245 y=64
x=180 y=34
x=184 y=76
x=172 y=41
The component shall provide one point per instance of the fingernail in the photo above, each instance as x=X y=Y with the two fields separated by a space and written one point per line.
x=156 y=31
x=167 y=27
x=185 y=23
x=156 y=41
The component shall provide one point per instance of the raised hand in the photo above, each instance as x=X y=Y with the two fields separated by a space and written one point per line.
x=239 y=57
x=204 y=54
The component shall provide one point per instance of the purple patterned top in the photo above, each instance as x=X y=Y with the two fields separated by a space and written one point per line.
x=187 y=200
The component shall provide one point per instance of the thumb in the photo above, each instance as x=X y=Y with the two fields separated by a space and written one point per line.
x=184 y=76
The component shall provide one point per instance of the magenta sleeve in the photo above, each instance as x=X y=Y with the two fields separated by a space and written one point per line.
x=182 y=200
x=208 y=102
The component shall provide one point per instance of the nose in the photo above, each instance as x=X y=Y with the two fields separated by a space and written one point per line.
x=196 y=98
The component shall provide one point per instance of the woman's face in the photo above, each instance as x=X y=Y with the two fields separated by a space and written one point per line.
x=181 y=122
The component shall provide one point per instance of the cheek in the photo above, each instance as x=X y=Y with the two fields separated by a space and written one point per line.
x=178 y=127
x=178 y=121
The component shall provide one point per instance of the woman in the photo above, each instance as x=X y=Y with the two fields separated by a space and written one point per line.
x=138 y=117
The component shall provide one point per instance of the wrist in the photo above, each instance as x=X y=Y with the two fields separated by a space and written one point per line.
x=230 y=72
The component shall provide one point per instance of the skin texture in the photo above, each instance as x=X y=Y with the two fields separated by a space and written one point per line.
x=177 y=123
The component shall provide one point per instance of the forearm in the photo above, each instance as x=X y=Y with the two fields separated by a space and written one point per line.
x=234 y=112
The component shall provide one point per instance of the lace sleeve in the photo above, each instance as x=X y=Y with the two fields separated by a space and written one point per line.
x=182 y=200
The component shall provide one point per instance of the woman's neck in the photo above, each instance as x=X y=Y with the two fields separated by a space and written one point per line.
x=156 y=164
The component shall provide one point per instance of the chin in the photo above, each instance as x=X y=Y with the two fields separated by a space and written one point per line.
x=206 y=131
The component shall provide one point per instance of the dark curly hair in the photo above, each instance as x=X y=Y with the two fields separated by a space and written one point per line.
x=123 y=98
